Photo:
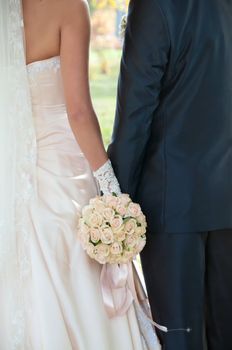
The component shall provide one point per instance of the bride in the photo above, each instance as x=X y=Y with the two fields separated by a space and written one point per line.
x=52 y=162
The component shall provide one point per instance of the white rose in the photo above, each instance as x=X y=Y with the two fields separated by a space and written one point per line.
x=90 y=249
x=103 y=251
x=130 y=242
x=99 y=205
x=95 y=200
x=120 y=234
x=124 y=199
x=121 y=209
x=111 y=201
x=124 y=260
x=82 y=227
x=95 y=219
x=141 y=230
x=142 y=220
x=116 y=222
x=140 y=245
x=95 y=235
x=115 y=259
x=134 y=210
x=131 y=226
x=107 y=236
x=116 y=248
x=128 y=256
x=108 y=213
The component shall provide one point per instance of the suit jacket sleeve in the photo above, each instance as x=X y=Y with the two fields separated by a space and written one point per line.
x=143 y=66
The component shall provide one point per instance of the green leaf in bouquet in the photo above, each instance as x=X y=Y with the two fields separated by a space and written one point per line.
x=125 y=220
x=94 y=243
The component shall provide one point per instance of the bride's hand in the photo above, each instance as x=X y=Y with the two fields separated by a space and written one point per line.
x=107 y=180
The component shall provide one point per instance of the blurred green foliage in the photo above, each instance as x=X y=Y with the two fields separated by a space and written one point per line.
x=104 y=70
x=115 y=4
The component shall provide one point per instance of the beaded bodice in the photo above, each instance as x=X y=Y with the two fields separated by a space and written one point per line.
x=46 y=83
x=39 y=66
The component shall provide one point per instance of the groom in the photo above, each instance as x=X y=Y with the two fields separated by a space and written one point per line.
x=172 y=152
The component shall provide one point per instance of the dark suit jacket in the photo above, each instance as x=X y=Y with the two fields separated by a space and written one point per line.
x=172 y=140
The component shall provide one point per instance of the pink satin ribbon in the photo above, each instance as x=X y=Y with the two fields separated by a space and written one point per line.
x=119 y=292
x=118 y=289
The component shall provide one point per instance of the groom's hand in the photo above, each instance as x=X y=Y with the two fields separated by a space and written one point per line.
x=143 y=66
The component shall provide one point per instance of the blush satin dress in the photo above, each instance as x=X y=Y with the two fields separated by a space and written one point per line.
x=67 y=307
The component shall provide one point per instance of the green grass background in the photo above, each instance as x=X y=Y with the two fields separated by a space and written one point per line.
x=104 y=70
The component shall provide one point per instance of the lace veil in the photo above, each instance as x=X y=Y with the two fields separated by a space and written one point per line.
x=17 y=177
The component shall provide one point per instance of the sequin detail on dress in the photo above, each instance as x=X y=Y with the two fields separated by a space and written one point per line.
x=40 y=66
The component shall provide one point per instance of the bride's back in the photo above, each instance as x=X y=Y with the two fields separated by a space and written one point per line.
x=42 y=28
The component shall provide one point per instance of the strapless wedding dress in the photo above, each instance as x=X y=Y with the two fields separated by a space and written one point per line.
x=68 y=311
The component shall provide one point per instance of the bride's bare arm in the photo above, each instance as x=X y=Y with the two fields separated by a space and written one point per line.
x=75 y=38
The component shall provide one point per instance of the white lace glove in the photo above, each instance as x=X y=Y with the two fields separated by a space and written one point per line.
x=107 y=180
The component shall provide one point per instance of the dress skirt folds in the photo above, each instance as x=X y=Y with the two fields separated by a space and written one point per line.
x=67 y=311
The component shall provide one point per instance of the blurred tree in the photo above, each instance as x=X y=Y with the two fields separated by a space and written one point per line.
x=116 y=4
x=120 y=6
x=92 y=6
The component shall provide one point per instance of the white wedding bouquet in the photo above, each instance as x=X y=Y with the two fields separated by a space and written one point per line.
x=112 y=229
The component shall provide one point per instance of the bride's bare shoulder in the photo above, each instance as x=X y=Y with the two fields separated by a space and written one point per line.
x=73 y=8
x=72 y=4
